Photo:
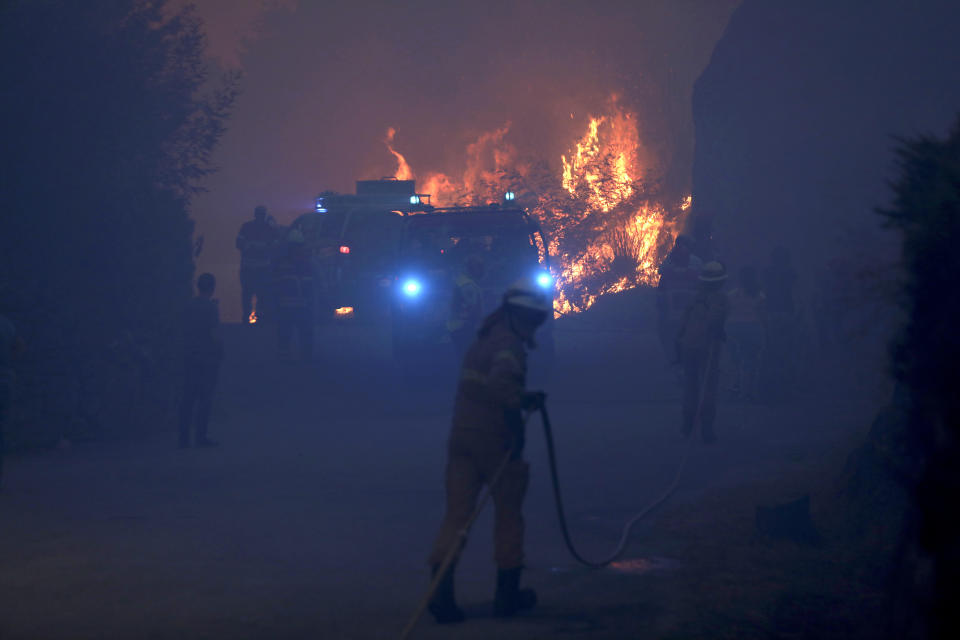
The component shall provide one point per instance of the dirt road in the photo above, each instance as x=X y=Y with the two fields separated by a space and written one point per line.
x=313 y=518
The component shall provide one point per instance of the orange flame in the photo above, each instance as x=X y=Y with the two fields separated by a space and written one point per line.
x=608 y=229
x=403 y=171
x=253 y=317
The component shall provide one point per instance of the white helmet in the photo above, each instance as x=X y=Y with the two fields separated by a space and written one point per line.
x=527 y=295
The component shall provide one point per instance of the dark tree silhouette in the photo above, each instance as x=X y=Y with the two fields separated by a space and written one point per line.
x=108 y=122
x=926 y=212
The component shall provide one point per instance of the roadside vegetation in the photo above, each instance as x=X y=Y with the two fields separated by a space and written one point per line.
x=109 y=119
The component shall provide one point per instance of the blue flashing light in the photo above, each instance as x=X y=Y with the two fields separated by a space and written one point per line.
x=411 y=288
x=544 y=280
x=321 y=206
x=414 y=199
x=509 y=196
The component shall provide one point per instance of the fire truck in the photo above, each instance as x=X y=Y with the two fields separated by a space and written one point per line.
x=353 y=240
x=434 y=244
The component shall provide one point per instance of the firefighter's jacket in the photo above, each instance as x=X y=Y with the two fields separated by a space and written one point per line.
x=293 y=283
x=255 y=242
x=466 y=304
x=492 y=384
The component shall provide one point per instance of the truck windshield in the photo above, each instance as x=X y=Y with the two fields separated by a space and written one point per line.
x=506 y=249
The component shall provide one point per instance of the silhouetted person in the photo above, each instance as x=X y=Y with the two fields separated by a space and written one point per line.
x=255 y=242
x=487 y=432
x=698 y=349
x=779 y=279
x=293 y=296
x=11 y=345
x=203 y=354
x=676 y=289
x=745 y=329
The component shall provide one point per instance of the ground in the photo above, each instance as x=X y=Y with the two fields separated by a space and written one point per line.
x=314 y=517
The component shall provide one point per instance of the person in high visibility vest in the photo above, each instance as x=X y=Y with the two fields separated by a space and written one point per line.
x=488 y=427
x=466 y=306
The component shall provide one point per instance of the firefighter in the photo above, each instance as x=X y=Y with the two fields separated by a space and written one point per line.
x=487 y=431
x=676 y=289
x=255 y=242
x=203 y=351
x=293 y=296
x=698 y=351
x=466 y=306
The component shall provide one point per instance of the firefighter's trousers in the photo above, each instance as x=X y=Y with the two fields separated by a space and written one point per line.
x=474 y=457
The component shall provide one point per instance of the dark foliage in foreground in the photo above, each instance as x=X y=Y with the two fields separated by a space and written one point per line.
x=105 y=135
x=926 y=212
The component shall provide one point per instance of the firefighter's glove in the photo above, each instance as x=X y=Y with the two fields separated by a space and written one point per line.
x=534 y=400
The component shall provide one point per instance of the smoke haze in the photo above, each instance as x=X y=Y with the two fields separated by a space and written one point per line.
x=324 y=83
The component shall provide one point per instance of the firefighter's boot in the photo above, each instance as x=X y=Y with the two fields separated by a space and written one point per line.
x=510 y=598
x=443 y=606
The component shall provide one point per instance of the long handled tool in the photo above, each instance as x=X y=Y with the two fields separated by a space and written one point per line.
x=455 y=548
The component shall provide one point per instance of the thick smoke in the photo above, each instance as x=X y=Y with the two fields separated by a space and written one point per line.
x=323 y=84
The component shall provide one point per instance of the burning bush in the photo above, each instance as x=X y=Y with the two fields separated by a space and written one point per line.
x=608 y=223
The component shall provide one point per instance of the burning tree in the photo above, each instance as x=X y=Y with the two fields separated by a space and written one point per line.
x=609 y=224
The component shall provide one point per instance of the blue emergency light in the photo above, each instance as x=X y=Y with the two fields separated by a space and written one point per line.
x=509 y=196
x=321 y=205
x=411 y=287
x=544 y=280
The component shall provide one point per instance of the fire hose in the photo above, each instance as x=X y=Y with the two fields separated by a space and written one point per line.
x=624 y=537
x=628 y=527
x=558 y=499
x=551 y=454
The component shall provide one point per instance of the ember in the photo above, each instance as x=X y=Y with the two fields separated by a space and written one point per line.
x=253 y=317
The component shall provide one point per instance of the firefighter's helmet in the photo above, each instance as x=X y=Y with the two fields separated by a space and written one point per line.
x=525 y=294
x=713 y=272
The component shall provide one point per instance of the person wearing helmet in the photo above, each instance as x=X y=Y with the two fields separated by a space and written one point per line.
x=466 y=306
x=698 y=350
x=255 y=242
x=487 y=427
x=293 y=296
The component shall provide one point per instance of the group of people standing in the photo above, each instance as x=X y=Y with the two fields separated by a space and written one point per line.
x=754 y=322
x=276 y=270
